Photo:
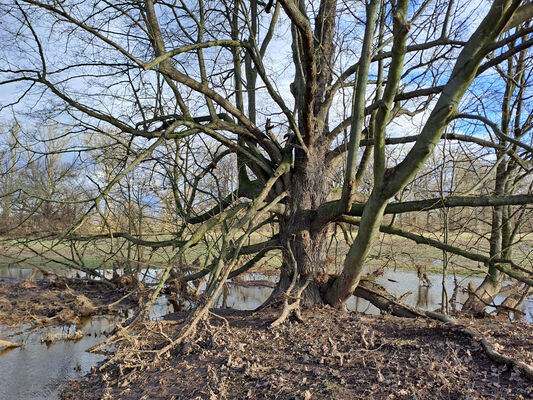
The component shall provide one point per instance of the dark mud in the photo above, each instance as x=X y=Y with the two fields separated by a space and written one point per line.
x=331 y=356
x=60 y=301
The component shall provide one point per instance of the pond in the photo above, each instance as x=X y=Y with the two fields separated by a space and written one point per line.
x=396 y=282
x=38 y=370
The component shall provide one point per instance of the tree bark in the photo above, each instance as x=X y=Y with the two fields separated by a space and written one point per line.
x=343 y=287
x=311 y=185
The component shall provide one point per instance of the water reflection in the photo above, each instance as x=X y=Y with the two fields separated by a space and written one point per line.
x=19 y=273
x=243 y=298
x=422 y=300
x=398 y=283
x=36 y=371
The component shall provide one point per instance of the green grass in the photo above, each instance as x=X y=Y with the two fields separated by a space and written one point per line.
x=388 y=251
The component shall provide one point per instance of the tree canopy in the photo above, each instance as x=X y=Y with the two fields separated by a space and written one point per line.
x=239 y=116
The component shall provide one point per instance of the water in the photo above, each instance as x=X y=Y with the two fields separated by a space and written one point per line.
x=397 y=283
x=18 y=273
x=428 y=298
x=38 y=371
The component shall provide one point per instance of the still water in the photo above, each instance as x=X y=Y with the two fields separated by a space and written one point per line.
x=38 y=371
x=397 y=283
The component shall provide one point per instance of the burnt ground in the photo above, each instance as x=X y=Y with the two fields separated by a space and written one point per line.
x=59 y=301
x=332 y=355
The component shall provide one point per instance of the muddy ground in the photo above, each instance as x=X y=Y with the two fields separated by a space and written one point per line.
x=332 y=355
x=59 y=301
x=236 y=355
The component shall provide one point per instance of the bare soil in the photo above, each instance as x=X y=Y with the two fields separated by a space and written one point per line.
x=333 y=355
x=59 y=301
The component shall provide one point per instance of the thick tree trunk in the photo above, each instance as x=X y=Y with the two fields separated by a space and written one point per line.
x=479 y=299
x=310 y=253
x=300 y=232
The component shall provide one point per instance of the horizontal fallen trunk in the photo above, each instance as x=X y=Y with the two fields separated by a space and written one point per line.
x=261 y=282
x=379 y=297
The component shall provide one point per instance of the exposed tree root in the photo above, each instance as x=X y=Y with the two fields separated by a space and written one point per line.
x=525 y=369
x=379 y=297
x=294 y=307
x=367 y=289
x=288 y=310
x=275 y=300
x=189 y=326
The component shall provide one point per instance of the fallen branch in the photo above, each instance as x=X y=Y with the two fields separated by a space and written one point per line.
x=188 y=328
x=525 y=369
x=256 y=283
x=379 y=297
x=498 y=307
x=4 y=344
x=111 y=305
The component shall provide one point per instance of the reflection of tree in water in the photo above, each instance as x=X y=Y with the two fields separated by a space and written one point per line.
x=244 y=297
x=234 y=296
x=225 y=294
x=529 y=310
x=18 y=273
x=422 y=299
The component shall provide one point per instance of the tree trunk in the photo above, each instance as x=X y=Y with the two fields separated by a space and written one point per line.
x=300 y=233
x=344 y=285
x=479 y=299
x=310 y=253
x=514 y=300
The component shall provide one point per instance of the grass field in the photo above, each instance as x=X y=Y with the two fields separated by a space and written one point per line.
x=388 y=251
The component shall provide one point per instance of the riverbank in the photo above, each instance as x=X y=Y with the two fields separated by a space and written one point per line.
x=332 y=355
x=60 y=301
x=53 y=322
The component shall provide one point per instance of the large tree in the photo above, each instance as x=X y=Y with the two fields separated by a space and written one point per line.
x=303 y=93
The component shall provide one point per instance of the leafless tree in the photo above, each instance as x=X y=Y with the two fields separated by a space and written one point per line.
x=267 y=82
